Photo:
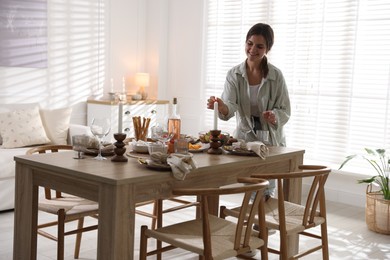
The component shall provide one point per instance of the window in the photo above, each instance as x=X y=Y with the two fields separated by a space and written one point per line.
x=70 y=59
x=335 y=57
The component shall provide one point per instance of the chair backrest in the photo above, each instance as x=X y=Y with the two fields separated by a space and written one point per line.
x=247 y=186
x=315 y=202
x=49 y=149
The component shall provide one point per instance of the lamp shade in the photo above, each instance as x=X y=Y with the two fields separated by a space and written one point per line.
x=142 y=79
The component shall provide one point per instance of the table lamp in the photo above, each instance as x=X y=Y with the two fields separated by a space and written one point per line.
x=142 y=80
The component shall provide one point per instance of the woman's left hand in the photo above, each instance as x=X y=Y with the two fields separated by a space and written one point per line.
x=270 y=117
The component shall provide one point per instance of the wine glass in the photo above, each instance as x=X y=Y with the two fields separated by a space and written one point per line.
x=161 y=134
x=100 y=128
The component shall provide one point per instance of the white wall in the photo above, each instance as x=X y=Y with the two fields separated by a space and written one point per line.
x=342 y=187
x=174 y=55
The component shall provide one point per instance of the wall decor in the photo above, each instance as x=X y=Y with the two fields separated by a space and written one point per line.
x=23 y=33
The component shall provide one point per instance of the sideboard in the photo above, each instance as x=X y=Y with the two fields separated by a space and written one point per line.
x=157 y=110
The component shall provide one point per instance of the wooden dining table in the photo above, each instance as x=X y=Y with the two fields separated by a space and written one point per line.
x=118 y=186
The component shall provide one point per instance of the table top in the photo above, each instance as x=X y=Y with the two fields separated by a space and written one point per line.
x=118 y=173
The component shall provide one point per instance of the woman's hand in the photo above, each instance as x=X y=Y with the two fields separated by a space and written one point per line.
x=210 y=102
x=222 y=108
x=270 y=117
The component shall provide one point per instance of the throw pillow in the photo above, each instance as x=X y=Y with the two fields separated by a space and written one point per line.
x=22 y=128
x=56 y=124
x=5 y=108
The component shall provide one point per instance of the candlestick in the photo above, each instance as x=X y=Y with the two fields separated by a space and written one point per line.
x=120 y=148
x=215 y=115
x=120 y=119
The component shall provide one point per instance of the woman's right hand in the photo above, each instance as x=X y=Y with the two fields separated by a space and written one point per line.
x=211 y=101
x=222 y=108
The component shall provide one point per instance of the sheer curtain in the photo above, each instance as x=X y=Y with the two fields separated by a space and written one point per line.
x=335 y=56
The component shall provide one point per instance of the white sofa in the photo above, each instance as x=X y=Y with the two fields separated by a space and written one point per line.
x=23 y=126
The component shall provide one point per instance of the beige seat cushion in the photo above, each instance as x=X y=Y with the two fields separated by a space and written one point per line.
x=294 y=215
x=71 y=204
x=188 y=235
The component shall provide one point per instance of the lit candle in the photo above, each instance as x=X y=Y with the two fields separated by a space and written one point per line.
x=120 y=119
x=112 y=86
x=215 y=115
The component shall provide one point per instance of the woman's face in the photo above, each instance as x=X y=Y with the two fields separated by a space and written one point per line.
x=255 y=48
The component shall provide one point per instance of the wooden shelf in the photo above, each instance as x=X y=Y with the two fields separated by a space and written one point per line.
x=129 y=102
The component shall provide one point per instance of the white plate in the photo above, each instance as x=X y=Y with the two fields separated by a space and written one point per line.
x=136 y=155
x=204 y=146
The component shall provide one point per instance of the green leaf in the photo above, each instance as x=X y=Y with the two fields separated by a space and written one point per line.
x=348 y=158
x=369 y=180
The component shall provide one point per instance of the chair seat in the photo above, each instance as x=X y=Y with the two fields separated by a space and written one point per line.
x=72 y=205
x=188 y=235
x=293 y=212
x=294 y=215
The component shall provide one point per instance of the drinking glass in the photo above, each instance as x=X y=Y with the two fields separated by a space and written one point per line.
x=181 y=146
x=80 y=143
x=100 y=127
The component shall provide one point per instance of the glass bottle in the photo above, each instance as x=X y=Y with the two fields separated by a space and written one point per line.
x=174 y=124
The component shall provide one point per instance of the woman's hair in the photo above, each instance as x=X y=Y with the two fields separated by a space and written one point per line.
x=266 y=31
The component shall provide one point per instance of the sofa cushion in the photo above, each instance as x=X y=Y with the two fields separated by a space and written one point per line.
x=56 y=124
x=22 y=128
x=4 y=108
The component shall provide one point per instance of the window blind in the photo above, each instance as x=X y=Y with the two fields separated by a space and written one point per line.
x=335 y=57
x=76 y=46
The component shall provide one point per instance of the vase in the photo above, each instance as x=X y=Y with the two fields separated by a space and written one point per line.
x=377 y=212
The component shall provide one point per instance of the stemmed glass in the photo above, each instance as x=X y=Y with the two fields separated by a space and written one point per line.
x=161 y=134
x=100 y=128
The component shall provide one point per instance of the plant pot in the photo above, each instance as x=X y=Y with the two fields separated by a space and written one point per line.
x=377 y=211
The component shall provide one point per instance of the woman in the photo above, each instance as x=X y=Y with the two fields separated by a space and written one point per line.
x=255 y=91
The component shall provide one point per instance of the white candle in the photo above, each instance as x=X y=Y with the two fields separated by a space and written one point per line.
x=215 y=115
x=123 y=85
x=112 y=86
x=120 y=117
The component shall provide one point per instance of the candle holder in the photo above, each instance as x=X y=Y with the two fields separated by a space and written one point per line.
x=119 y=149
x=215 y=142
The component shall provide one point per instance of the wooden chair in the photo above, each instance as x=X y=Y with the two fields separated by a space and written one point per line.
x=212 y=237
x=295 y=219
x=159 y=210
x=67 y=208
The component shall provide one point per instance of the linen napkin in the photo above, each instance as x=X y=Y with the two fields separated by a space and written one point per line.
x=181 y=165
x=259 y=148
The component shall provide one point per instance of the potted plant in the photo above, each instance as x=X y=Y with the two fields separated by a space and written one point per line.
x=377 y=202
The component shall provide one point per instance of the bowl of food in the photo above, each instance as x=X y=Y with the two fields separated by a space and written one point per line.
x=139 y=146
x=205 y=137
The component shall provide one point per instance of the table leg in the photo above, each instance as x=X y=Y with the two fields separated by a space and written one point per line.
x=26 y=204
x=293 y=193
x=116 y=222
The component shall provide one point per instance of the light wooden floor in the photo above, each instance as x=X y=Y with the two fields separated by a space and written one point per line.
x=349 y=237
